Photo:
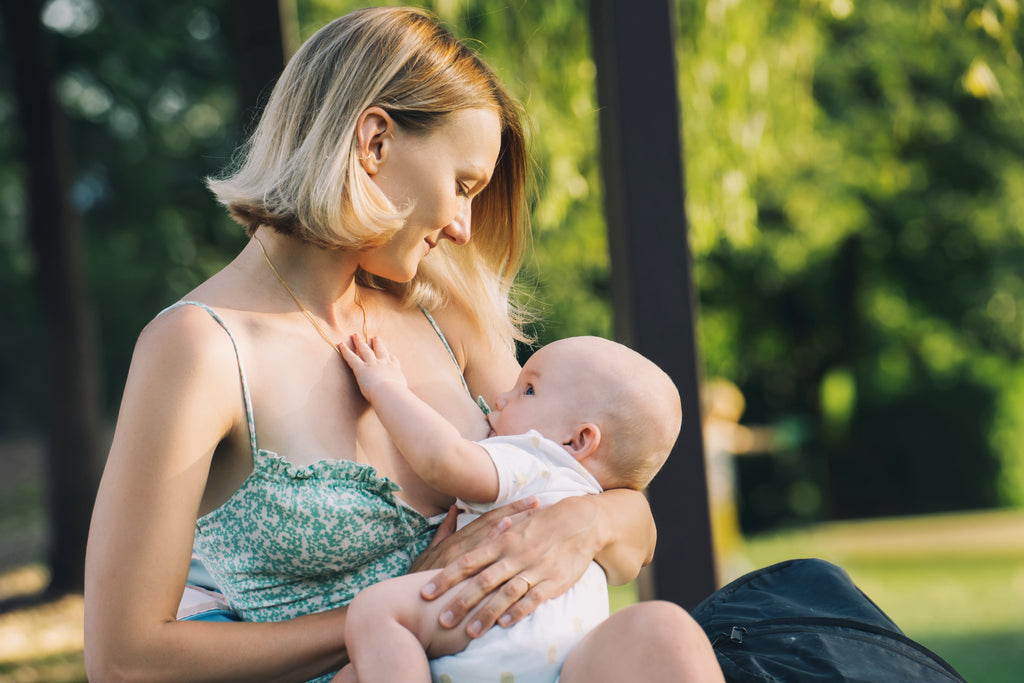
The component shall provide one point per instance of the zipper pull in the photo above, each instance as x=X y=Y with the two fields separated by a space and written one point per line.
x=735 y=637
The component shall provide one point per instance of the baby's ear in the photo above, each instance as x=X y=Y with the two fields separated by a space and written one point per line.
x=585 y=440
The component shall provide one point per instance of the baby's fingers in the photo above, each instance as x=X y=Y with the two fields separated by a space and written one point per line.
x=360 y=349
x=381 y=351
x=350 y=356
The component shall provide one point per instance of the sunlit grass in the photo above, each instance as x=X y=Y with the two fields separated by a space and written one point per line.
x=41 y=642
x=954 y=583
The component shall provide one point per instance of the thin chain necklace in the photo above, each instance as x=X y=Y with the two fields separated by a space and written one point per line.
x=305 y=311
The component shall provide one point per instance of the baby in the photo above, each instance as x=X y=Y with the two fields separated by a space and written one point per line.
x=586 y=414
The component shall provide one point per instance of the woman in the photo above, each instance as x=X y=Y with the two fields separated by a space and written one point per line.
x=384 y=147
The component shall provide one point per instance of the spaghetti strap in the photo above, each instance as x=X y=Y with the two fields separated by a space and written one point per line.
x=241 y=371
x=479 y=399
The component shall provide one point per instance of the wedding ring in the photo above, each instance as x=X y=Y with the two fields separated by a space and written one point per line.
x=529 y=585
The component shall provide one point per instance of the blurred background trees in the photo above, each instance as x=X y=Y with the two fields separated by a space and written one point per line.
x=855 y=180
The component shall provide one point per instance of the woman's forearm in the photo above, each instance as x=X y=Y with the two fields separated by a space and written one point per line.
x=628 y=531
x=283 y=652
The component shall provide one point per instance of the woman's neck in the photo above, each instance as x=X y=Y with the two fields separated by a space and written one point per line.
x=307 y=276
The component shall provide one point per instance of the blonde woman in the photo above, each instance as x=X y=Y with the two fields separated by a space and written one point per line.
x=385 y=146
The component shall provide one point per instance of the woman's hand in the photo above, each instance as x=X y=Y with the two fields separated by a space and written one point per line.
x=514 y=558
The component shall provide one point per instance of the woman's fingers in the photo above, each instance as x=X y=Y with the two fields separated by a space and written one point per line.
x=447 y=527
x=466 y=565
x=510 y=561
x=429 y=558
x=506 y=606
x=466 y=552
x=529 y=601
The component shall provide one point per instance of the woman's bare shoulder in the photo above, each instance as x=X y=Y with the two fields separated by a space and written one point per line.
x=487 y=364
x=186 y=337
x=458 y=328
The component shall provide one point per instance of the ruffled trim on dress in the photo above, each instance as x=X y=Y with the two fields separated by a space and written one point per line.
x=272 y=463
x=359 y=475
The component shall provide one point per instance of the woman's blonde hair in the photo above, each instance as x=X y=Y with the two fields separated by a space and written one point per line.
x=299 y=173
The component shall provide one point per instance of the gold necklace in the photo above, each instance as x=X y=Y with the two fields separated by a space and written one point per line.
x=305 y=311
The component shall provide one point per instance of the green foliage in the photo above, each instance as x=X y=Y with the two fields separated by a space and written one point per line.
x=151 y=112
x=854 y=193
x=855 y=196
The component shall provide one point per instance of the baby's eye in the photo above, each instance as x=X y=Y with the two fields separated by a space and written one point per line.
x=529 y=390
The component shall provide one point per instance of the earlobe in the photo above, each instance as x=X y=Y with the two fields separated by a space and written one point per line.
x=373 y=138
x=584 y=442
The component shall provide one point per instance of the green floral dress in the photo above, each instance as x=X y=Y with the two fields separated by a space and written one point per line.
x=298 y=540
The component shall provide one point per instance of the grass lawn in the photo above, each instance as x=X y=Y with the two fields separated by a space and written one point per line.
x=954 y=583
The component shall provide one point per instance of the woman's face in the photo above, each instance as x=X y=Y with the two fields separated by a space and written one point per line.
x=437 y=173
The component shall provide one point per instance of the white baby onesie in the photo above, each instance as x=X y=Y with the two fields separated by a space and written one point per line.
x=533 y=650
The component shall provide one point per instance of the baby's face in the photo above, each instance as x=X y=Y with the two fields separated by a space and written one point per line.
x=544 y=397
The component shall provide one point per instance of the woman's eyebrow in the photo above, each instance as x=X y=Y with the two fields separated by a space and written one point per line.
x=478 y=173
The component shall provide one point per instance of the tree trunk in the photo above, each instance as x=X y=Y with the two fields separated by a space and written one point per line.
x=259 y=33
x=653 y=298
x=75 y=446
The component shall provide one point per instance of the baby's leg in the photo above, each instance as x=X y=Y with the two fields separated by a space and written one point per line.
x=389 y=629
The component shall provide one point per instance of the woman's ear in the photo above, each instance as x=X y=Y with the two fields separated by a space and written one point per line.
x=585 y=440
x=373 y=137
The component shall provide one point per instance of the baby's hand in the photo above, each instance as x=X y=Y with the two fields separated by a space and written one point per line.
x=373 y=366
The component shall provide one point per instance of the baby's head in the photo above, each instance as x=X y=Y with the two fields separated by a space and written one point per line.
x=613 y=410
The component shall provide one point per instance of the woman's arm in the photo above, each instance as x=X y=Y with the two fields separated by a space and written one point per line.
x=551 y=546
x=181 y=402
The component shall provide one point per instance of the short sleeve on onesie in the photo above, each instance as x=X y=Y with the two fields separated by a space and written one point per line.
x=529 y=464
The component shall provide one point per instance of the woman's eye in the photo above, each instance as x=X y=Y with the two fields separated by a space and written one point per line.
x=461 y=190
x=529 y=390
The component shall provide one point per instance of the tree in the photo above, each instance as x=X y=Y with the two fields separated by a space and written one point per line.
x=75 y=426
x=852 y=207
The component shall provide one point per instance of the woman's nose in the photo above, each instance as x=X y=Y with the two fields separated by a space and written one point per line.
x=460 y=228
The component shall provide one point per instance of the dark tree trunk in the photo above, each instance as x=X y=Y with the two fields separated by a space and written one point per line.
x=75 y=445
x=257 y=36
x=652 y=288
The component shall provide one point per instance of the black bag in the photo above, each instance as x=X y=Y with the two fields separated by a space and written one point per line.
x=804 y=621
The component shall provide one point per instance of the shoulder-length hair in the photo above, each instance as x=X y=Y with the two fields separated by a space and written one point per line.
x=299 y=172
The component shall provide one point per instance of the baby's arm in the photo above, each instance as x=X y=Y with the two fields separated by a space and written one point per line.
x=435 y=450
